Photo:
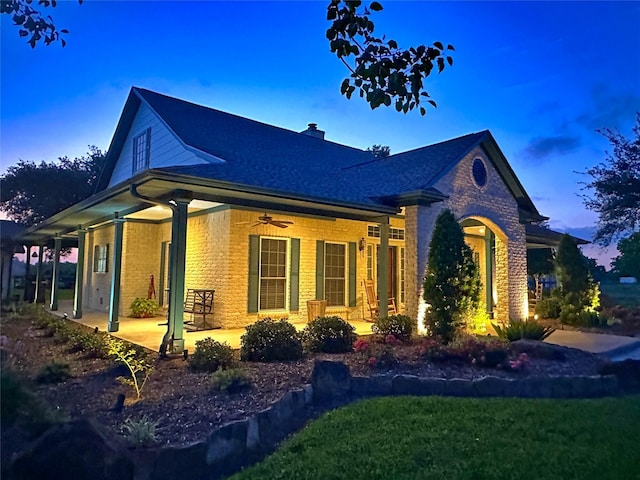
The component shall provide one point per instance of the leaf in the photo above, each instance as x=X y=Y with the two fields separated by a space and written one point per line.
x=450 y=61
x=331 y=34
x=422 y=111
x=375 y=6
x=450 y=47
x=440 y=64
x=432 y=102
x=438 y=45
x=392 y=44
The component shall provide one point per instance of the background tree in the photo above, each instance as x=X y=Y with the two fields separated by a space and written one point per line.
x=540 y=262
x=30 y=192
x=579 y=292
x=627 y=264
x=379 y=151
x=616 y=187
x=31 y=23
x=382 y=72
x=452 y=284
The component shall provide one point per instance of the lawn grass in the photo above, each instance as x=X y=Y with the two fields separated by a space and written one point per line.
x=626 y=295
x=461 y=438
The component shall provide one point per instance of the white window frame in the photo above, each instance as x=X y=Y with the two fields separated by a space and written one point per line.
x=101 y=258
x=344 y=278
x=287 y=271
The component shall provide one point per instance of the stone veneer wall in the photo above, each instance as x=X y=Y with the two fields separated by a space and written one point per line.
x=493 y=205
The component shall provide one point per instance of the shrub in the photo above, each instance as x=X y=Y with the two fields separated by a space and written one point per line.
x=210 y=355
x=329 y=335
x=481 y=351
x=517 y=329
x=400 y=326
x=549 y=307
x=231 y=380
x=54 y=372
x=143 y=307
x=92 y=344
x=135 y=361
x=140 y=433
x=452 y=283
x=433 y=349
x=375 y=355
x=268 y=341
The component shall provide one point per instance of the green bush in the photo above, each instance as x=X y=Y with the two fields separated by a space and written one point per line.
x=231 y=380
x=210 y=355
x=452 y=283
x=400 y=326
x=92 y=344
x=54 y=372
x=549 y=307
x=329 y=335
x=143 y=307
x=267 y=341
x=517 y=329
x=481 y=351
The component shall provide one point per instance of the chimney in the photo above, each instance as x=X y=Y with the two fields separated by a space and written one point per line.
x=312 y=131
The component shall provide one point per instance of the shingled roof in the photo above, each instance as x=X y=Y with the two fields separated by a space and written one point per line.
x=257 y=155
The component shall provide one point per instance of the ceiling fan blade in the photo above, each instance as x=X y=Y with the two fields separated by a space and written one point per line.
x=258 y=223
x=244 y=223
x=279 y=224
x=284 y=221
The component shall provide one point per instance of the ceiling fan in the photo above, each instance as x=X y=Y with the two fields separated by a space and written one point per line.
x=268 y=220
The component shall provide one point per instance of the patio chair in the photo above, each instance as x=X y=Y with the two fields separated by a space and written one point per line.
x=374 y=304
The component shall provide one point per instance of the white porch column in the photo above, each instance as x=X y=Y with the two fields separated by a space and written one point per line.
x=114 y=301
x=55 y=281
x=383 y=269
x=77 y=297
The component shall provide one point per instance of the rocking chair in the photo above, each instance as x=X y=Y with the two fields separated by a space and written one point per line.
x=374 y=304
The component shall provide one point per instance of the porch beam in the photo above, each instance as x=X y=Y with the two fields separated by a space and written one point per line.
x=383 y=269
x=39 y=293
x=116 y=273
x=77 y=297
x=55 y=276
x=173 y=340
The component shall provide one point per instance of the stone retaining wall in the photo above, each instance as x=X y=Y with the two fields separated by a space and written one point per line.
x=235 y=444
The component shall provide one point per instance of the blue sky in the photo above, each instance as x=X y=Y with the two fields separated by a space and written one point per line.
x=542 y=76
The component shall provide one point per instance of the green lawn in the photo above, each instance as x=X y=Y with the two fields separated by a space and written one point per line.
x=460 y=438
x=626 y=295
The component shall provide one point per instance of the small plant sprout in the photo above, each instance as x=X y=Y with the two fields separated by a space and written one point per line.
x=141 y=433
x=139 y=368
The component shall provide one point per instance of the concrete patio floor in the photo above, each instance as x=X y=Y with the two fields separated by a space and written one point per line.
x=148 y=333
x=615 y=347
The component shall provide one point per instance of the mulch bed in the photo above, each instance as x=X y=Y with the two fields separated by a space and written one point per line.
x=182 y=401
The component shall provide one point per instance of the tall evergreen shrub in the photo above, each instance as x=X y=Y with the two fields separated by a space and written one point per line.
x=452 y=283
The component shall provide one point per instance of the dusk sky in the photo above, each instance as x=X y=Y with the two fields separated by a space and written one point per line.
x=541 y=76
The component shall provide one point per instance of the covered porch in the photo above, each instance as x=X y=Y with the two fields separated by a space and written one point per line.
x=148 y=332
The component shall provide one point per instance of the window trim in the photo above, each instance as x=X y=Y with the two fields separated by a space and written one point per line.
x=287 y=272
x=345 y=277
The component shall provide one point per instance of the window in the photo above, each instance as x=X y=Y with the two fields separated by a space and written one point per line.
x=101 y=258
x=369 y=262
x=479 y=172
x=373 y=231
x=273 y=274
x=141 y=151
x=334 y=274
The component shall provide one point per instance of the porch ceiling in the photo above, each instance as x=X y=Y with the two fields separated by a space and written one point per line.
x=119 y=202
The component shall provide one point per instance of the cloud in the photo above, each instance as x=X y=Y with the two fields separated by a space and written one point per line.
x=540 y=148
x=609 y=109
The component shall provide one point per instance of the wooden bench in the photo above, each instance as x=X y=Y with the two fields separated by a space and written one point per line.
x=199 y=303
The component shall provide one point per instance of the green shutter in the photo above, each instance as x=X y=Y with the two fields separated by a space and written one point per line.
x=319 y=270
x=352 y=274
x=294 y=277
x=254 y=273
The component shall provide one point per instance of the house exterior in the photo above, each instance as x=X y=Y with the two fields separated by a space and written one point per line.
x=270 y=219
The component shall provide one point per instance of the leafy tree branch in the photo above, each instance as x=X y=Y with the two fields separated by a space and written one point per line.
x=32 y=23
x=382 y=72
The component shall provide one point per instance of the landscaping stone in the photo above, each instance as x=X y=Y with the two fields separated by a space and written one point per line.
x=489 y=386
x=229 y=440
x=253 y=433
x=562 y=387
x=627 y=373
x=535 y=387
x=308 y=394
x=538 y=349
x=180 y=462
x=78 y=450
x=610 y=385
x=412 y=385
x=512 y=387
x=381 y=384
x=330 y=379
x=459 y=387
x=587 y=387
x=360 y=386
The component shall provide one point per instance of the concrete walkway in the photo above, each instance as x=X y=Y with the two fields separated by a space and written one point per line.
x=148 y=332
x=615 y=347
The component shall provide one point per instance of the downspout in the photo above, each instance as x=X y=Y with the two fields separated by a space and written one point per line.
x=168 y=336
